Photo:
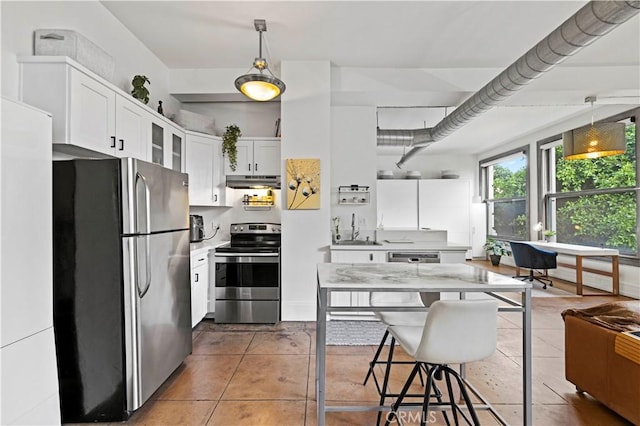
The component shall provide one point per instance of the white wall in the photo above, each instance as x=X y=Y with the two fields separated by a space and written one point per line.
x=353 y=162
x=225 y=216
x=306 y=133
x=255 y=119
x=96 y=23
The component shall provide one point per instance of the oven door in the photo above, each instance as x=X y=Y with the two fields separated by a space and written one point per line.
x=247 y=288
x=247 y=276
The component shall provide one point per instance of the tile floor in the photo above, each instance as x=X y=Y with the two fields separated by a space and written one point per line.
x=264 y=375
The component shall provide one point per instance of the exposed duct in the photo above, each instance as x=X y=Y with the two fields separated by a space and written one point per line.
x=588 y=24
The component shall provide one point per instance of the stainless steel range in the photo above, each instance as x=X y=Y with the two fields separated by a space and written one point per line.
x=247 y=275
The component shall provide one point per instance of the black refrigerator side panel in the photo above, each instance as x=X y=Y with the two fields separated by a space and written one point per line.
x=88 y=290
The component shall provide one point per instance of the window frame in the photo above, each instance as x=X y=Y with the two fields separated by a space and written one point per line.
x=546 y=173
x=483 y=183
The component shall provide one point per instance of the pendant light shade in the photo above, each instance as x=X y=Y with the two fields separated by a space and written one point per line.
x=260 y=86
x=594 y=141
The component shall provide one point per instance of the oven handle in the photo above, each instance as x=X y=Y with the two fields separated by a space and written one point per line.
x=247 y=258
x=247 y=254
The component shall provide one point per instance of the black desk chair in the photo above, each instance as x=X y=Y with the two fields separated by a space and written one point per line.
x=527 y=256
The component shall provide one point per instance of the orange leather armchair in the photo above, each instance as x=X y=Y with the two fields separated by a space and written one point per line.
x=592 y=364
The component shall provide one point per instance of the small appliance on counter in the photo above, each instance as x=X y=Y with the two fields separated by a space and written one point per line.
x=196 y=228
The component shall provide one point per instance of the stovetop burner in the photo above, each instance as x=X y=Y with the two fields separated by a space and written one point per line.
x=253 y=237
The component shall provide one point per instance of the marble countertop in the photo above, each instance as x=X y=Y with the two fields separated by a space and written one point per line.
x=406 y=247
x=414 y=277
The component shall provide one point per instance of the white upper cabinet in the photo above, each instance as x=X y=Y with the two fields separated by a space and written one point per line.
x=90 y=115
x=256 y=157
x=204 y=166
x=397 y=202
x=132 y=139
x=446 y=204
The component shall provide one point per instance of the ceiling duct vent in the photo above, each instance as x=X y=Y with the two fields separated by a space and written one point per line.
x=587 y=25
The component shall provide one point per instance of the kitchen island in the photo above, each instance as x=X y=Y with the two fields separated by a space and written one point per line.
x=421 y=277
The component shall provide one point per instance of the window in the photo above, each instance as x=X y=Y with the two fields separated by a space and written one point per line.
x=593 y=202
x=504 y=181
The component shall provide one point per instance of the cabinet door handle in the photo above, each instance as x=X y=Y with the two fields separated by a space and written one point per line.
x=249 y=166
x=197 y=277
x=121 y=145
x=113 y=141
x=215 y=197
x=255 y=168
x=371 y=257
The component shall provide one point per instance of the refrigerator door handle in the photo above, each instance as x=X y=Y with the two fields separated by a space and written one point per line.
x=147 y=210
x=147 y=267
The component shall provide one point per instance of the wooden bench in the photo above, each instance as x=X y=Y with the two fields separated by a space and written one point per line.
x=580 y=252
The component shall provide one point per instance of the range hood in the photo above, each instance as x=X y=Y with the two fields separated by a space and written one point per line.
x=253 y=182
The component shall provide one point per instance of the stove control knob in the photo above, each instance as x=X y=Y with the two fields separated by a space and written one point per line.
x=241 y=228
x=235 y=228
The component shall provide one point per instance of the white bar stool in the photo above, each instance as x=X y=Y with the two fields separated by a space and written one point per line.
x=455 y=332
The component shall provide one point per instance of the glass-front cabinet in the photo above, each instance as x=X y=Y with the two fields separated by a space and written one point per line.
x=167 y=144
x=157 y=144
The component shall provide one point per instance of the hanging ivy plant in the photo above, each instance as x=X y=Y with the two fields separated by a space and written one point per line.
x=229 y=139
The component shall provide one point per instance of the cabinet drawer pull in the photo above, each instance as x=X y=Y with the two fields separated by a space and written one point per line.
x=113 y=141
x=371 y=257
x=121 y=145
x=201 y=259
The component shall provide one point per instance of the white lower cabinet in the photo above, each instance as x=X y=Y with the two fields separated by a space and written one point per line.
x=199 y=285
x=354 y=298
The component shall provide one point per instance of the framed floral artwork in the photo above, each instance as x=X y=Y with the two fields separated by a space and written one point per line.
x=303 y=184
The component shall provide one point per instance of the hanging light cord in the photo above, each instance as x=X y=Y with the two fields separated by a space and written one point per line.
x=591 y=99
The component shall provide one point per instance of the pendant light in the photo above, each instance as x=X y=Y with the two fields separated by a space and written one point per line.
x=260 y=86
x=594 y=141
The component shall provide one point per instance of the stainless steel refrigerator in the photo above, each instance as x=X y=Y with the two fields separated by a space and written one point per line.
x=122 y=303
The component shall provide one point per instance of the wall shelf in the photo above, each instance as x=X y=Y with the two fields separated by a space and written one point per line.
x=353 y=194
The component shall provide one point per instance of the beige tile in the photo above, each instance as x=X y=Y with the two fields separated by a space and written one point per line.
x=340 y=418
x=350 y=350
x=269 y=377
x=227 y=343
x=259 y=413
x=280 y=342
x=203 y=377
x=510 y=344
x=173 y=413
x=344 y=377
x=499 y=380
x=588 y=414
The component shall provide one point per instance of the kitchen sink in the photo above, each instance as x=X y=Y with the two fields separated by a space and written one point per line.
x=357 y=243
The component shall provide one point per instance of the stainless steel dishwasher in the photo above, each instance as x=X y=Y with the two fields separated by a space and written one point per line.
x=413 y=257
x=417 y=257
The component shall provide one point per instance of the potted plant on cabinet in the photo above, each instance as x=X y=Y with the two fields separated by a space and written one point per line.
x=496 y=249
x=229 y=140
x=140 y=92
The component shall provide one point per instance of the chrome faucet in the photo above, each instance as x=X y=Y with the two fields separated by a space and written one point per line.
x=354 y=233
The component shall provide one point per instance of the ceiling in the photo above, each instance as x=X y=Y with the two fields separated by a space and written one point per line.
x=426 y=54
